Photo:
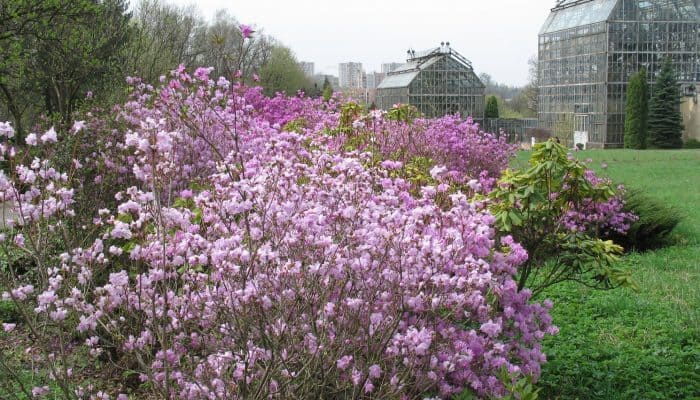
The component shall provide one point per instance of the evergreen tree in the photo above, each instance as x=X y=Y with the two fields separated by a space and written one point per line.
x=637 y=112
x=491 y=110
x=327 y=89
x=665 y=121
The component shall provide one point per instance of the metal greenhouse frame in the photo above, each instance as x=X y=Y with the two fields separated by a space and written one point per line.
x=589 y=49
x=437 y=82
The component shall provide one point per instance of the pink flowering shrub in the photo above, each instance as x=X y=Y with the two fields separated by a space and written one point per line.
x=251 y=261
x=558 y=209
x=460 y=146
x=600 y=218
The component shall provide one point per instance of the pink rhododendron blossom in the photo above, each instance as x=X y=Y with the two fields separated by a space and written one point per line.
x=343 y=362
x=6 y=129
x=246 y=31
x=31 y=139
x=78 y=126
x=597 y=216
x=19 y=240
x=40 y=391
x=49 y=136
x=375 y=371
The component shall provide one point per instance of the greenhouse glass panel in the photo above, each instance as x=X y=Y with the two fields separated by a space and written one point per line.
x=589 y=49
x=437 y=82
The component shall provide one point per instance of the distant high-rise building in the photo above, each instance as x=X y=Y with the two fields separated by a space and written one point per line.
x=350 y=75
x=388 y=67
x=374 y=79
x=307 y=67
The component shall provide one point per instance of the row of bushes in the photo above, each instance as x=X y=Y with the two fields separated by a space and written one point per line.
x=203 y=240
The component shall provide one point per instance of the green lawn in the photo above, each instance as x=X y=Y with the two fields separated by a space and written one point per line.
x=624 y=345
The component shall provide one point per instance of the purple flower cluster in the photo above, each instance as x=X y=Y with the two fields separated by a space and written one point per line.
x=600 y=217
x=467 y=152
x=250 y=261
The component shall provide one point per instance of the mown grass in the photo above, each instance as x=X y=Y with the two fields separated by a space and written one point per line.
x=622 y=344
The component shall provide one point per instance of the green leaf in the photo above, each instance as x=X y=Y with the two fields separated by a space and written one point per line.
x=515 y=218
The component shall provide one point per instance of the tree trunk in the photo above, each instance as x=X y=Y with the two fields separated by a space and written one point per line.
x=16 y=113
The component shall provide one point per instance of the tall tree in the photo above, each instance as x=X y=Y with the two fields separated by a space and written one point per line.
x=532 y=89
x=665 y=120
x=53 y=51
x=327 y=89
x=283 y=73
x=491 y=110
x=24 y=25
x=164 y=38
x=82 y=55
x=221 y=46
x=637 y=112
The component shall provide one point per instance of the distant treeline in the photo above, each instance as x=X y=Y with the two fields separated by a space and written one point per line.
x=515 y=101
x=60 y=56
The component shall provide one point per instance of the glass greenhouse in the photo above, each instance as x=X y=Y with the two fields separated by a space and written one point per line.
x=437 y=82
x=589 y=49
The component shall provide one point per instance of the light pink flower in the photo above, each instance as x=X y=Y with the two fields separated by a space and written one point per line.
x=6 y=129
x=31 y=139
x=49 y=136
x=343 y=362
x=78 y=126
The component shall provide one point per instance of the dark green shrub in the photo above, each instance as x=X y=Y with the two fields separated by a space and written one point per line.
x=491 y=109
x=652 y=229
x=691 y=144
x=9 y=312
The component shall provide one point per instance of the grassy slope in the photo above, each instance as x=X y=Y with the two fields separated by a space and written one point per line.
x=625 y=345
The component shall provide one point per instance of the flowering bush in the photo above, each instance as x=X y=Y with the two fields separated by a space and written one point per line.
x=467 y=153
x=600 y=217
x=557 y=209
x=252 y=258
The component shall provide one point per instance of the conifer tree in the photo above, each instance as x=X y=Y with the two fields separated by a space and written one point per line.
x=491 y=110
x=327 y=89
x=665 y=121
x=637 y=112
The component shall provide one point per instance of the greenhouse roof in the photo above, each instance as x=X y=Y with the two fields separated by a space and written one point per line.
x=404 y=75
x=572 y=13
x=398 y=81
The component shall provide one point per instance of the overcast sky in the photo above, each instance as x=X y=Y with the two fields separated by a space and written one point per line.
x=498 y=36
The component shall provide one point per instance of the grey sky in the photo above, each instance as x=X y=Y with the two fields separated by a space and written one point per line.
x=498 y=36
